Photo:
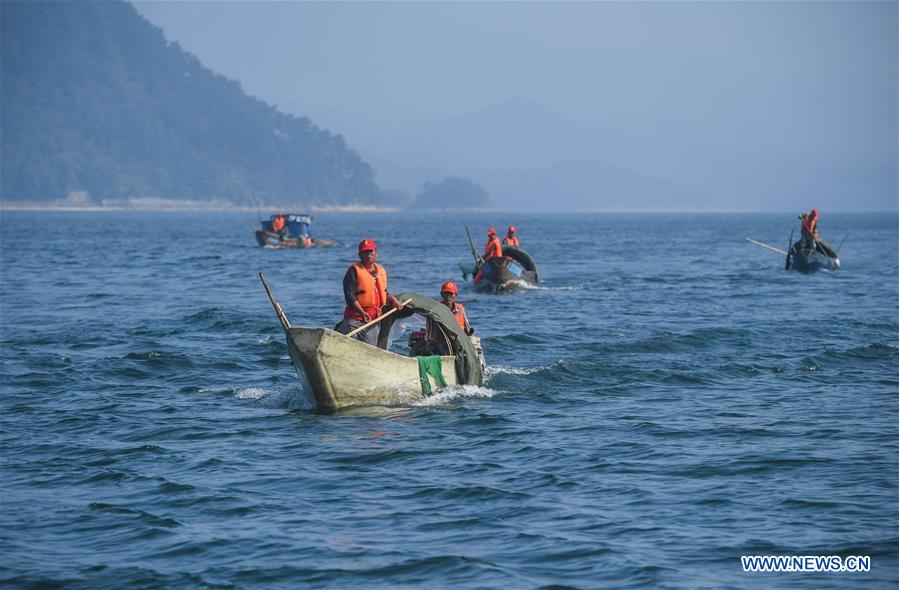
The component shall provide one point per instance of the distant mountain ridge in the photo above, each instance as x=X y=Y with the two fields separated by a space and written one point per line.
x=526 y=155
x=96 y=103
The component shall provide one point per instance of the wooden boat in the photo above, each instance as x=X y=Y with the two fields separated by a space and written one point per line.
x=338 y=372
x=295 y=234
x=341 y=371
x=515 y=269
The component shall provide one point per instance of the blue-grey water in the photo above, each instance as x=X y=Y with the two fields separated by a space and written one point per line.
x=667 y=400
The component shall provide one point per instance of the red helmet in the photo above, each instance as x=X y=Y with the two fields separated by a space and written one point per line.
x=491 y=231
x=366 y=245
x=512 y=229
x=449 y=287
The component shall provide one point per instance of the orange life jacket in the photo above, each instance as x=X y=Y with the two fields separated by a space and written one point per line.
x=278 y=223
x=371 y=292
x=511 y=241
x=810 y=224
x=459 y=314
x=493 y=248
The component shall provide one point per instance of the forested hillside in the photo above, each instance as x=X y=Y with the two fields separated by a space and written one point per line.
x=95 y=100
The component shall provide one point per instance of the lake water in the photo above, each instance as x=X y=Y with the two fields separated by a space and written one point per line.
x=667 y=400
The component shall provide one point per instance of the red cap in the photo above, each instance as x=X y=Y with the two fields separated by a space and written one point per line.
x=366 y=245
x=449 y=287
x=491 y=231
x=512 y=229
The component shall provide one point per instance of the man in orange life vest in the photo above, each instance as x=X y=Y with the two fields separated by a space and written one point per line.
x=279 y=225
x=493 y=248
x=448 y=293
x=510 y=239
x=365 y=293
x=810 y=228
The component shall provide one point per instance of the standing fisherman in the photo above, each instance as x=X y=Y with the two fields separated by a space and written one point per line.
x=810 y=228
x=279 y=224
x=493 y=248
x=365 y=293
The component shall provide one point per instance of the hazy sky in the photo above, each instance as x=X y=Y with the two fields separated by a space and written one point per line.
x=806 y=80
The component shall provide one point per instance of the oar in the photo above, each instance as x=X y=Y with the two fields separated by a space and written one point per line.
x=788 y=262
x=376 y=320
x=477 y=257
x=841 y=243
x=255 y=200
x=281 y=317
x=330 y=234
x=342 y=243
x=763 y=245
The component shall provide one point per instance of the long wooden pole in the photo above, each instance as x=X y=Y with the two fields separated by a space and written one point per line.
x=763 y=245
x=477 y=257
x=281 y=317
x=841 y=244
x=788 y=260
x=376 y=320
x=258 y=210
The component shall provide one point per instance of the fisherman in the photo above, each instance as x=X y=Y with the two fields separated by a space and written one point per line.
x=510 y=239
x=279 y=224
x=365 y=293
x=434 y=336
x=448 y=293
x=306 y=241
x=810 y=228
x=493 y=248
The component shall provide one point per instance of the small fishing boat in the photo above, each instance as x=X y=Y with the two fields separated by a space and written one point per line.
x=806 y=257
x=294 y=233
x=513 y=270
x=337 y=371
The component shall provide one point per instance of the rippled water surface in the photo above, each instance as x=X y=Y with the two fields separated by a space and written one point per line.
x=667 y=400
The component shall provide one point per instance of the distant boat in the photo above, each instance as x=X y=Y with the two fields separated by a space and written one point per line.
x=294 y=235
x=338 y=371
x=805 y=258
x=514 y=269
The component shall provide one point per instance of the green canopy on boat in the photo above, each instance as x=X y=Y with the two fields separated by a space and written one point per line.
x=468 y=369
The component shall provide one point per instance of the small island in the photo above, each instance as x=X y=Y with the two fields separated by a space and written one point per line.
x=452 y=193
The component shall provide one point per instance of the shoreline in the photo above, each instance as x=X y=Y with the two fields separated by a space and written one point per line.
x=35 y=208
x=218 y=207
x=191 y=208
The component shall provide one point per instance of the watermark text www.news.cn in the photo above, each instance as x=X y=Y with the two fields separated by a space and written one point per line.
x=805 y=563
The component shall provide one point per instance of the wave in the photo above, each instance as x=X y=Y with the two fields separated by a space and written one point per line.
x=538 y=287
x=292 y=398
x=454 y=392
x=496 y=370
